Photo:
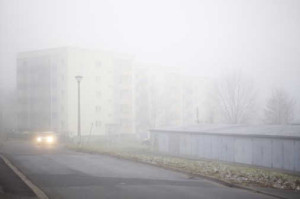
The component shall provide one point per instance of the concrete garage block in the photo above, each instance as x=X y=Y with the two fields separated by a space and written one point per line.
x=207 y=146
x=185 y=145
x=243 y=150
x=297 y=155
x=200 y=147
x=163 y=143
x=189 y=145
x=262 y=152
x=277 y=153
x=194 y=147
x=174 y=144
x=288 y=157
x=186 y=149
x=216 y=147
x=280 y=152
x=227 y=149
x=182 y=143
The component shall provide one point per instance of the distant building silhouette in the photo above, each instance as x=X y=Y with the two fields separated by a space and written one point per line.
x=118 y=95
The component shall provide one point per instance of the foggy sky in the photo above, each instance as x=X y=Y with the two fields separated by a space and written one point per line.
x=208 y=37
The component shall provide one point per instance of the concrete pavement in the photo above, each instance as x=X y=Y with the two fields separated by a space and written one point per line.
x=65 y=174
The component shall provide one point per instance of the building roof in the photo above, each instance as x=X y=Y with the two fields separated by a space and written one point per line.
x=243 y=130
x=65 y=49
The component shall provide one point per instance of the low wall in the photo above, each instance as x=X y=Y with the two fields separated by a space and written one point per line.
x=280 y=152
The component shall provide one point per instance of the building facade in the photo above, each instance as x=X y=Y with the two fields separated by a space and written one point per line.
x=165 y=97
x=47 y=91
x=118 y=95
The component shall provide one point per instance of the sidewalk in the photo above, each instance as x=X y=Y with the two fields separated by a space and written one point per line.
x=242 y=177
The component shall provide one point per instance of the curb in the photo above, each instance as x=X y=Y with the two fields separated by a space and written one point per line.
x=38 y=192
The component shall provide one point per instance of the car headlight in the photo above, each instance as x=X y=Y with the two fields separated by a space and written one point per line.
x=50 y=139
x=38 y=139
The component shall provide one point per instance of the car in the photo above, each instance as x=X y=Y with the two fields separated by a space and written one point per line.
x=46 y=138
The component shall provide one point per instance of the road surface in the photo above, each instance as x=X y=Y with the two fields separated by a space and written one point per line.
x=64 y=174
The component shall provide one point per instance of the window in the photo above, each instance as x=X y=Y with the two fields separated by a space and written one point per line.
x=124 y=109
x=98 y=123
x=124 y=93
x=125 y=79
x=98 y=64
x=98 y=78
x=98 y=109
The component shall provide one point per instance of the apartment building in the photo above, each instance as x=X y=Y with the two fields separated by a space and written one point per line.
x=118 y=95
x=166 y=97
x=47 y=91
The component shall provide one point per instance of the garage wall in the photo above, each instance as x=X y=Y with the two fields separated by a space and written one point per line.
x=280 y=152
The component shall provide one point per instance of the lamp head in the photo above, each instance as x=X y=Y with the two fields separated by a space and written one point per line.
x=78 y=78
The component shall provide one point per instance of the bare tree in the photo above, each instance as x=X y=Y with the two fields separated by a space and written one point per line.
x=279 y=108
x=235 y=96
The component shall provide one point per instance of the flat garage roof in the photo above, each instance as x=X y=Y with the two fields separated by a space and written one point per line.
x=260 y=130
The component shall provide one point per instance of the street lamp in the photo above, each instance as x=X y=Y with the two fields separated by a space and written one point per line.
x=78 y=78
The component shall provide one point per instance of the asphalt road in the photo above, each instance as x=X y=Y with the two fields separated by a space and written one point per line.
x=64 y=174
x=11 y=186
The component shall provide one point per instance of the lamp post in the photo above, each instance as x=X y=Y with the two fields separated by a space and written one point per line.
x=79 y=78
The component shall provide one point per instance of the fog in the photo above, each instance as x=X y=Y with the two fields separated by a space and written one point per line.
x=209 y=39
x=204 y=87
x=260 y=37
